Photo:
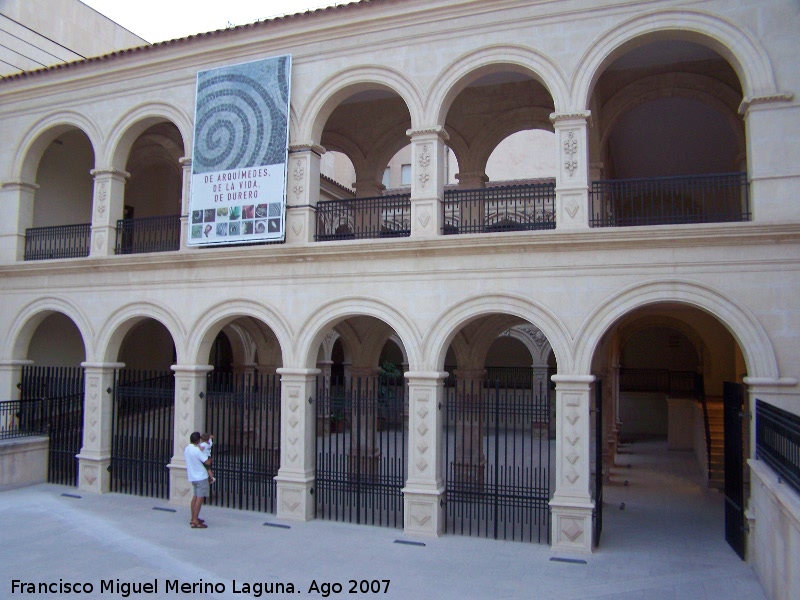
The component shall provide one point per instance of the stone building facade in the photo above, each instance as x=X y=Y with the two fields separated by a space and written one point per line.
x=669 y=239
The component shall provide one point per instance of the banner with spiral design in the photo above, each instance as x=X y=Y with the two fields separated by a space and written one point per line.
x=241 y=140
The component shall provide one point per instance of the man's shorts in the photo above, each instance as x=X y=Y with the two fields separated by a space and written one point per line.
x=201 y=488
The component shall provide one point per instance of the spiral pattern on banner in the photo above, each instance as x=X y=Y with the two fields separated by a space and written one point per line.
x=241 y=116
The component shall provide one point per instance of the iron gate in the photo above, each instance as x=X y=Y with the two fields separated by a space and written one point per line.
x=362 y=432
x=598 y=460
x=498 y=461
x=51 y=401
x=142 y=431
x=732 y=397
x=243 y=413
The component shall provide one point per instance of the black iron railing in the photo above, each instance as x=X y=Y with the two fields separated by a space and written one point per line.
x=149 y=234
x=686 y=384
x=23 y=418
x=778 y=442
x=63 y=241
x=362 y=218
x=717 y=198
x=498 y=209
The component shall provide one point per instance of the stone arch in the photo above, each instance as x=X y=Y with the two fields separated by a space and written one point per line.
x=331 y=92
x=719 y=97
x=741 y=49
x=753 y=341
x=473 y=65
x=31 y=316
x=119 y=323
x=324 y=317
x=131 y=125
x=449 y=323
x=215 y=318
x=33 y=144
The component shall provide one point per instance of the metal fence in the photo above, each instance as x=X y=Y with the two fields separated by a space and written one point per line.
x=716 y=198
x=778 y=442
x=362 y=218
x=149 y=234
x=63 y=241
x=243 y=412
x=497 y=209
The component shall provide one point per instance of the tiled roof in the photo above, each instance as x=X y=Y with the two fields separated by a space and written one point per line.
x=184 y=40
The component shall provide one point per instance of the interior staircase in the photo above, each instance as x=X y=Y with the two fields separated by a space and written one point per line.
x=716 y=470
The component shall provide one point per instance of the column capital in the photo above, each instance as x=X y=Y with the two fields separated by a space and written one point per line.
x=191 y=369
x=426 y=376
x=103 y=365
x=109 y=173
x=435 y=131
x=570 y=118
x=307 y=147
x=19 y=185
x=185 y=161
x=298 y=373
x=750 y=101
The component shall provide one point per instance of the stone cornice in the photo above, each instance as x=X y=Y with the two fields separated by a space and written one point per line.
x=749 y=101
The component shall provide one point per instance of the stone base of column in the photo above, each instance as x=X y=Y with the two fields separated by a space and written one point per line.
x=180 y=490
x=572 y=529
x=423 y=512
x=295 y=498
x=93 y=474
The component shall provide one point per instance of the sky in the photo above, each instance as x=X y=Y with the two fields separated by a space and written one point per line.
x=159 y=20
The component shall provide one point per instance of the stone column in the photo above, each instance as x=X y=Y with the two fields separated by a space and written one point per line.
x=572 y=176
x=16 y=200
x=302 y=192
x=769 y=160
x=428 y=168
x=190 y=415
x=109 y=203
x=186 y=197
x=295 y=479
x=424 y=490
x=95 y=455
x=572 y=504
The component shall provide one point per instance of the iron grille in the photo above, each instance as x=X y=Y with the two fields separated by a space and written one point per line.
x=717 y=198
x=498 y=209
x=149 y=234
x=243 y=413
x=63 y=241
x=362 y=218
x=498 y=461
x=778 y=442
x=362 y=434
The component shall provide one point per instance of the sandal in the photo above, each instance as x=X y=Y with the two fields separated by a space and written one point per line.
x=198 y=525
x=199 y=521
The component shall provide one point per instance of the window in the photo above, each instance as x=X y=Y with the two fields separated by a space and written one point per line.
x=405 y=175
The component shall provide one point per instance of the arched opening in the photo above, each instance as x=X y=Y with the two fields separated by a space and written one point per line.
x=501 y=113
x=368 y=127
x=242 y=407
x=663 y=371
x=669 y=144
x=52 y=394
x=143 y=410
x=361 y=424
x=62 y=208
x=151 y=214
x=499 y=433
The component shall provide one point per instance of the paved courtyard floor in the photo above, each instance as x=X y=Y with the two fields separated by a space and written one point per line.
x=663 y=538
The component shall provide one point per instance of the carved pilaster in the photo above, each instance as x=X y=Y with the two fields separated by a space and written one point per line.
x=572 y=504
x=186 y=199
x=572 y=184
x=295 y=479
x=424 y=488
x=428 y=167
x=107 y=209
x=302 y=193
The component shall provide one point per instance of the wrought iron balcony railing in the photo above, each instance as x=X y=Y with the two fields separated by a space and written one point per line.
x=718 y=198
x=62 y=241
x=149 y=234
x=493 y=210
x=362 y=218
x=778 y=442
